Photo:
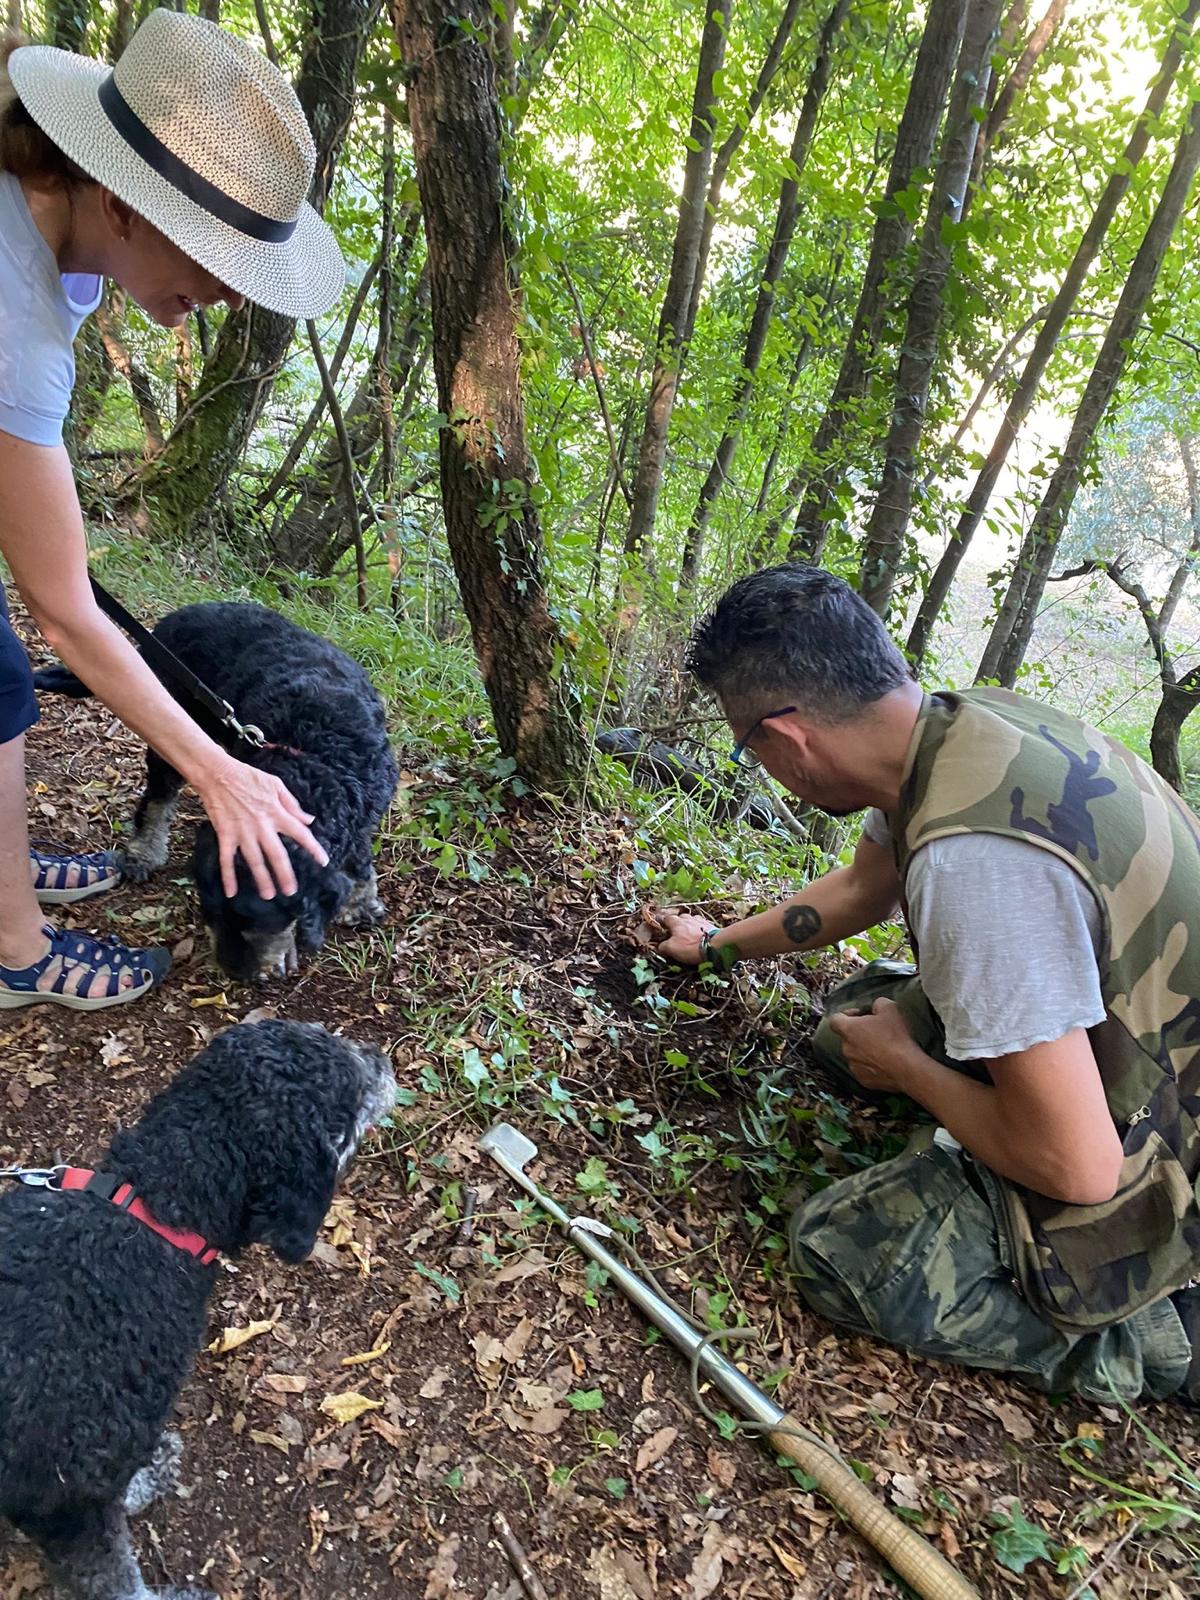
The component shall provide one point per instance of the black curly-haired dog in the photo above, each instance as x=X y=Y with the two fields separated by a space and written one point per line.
x=102 y=1317
x=328 y=743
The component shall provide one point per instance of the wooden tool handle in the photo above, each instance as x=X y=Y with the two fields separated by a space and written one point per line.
x=913 y=1557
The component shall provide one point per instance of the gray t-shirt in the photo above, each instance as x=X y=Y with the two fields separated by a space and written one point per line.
x=1009 y=937
x=40 y=313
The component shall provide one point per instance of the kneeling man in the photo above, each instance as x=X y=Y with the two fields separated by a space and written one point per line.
x=1050 y=881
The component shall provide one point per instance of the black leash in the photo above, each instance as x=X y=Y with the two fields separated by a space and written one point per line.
x=166 y=664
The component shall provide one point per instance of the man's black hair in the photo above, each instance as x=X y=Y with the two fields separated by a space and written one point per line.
x=795 y=634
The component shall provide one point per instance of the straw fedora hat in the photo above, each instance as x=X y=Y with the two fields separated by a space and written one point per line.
x=202 y=136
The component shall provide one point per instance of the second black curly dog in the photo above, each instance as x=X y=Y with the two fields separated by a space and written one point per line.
x=326 y=724
x=102 y=1317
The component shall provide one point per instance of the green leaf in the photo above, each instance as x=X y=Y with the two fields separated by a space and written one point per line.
x=1016 y=1541
x=444 y=1282
x=617 y=1487
x=594 y=1178
x=586 y=1400
x=475 y=1069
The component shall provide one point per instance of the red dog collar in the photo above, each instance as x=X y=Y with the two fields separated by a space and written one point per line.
x=122 y=1195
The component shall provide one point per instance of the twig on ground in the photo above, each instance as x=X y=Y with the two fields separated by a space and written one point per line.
x=467 y=1226
x=1110 y=1555
x=515 y=1552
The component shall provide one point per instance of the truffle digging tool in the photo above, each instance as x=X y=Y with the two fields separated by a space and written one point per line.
x=914 y=1558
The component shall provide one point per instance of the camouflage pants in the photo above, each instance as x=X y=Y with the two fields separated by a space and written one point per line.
x=908 y=1251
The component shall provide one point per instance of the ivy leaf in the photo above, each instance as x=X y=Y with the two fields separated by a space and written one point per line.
x=586 y=1400
x=1016 y=1541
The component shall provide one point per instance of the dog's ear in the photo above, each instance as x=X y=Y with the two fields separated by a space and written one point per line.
x=288 y=1207
x=333 y=890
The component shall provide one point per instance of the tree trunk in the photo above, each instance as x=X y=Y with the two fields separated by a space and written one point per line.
x=1014 y=626
x=673 y=332
x=764 y=306
x=279 y=479
x=915 y=139
x=1178 y=702
x=492 y=524
x=309 y=538
x=1060 y=309
x=730 y=146
x=134 y=374
x=68 y=24
x=1014 y=87
x=883 y=546
x=93 y=379
x=1000 y=368
x=122 y=27
x=1191 y=470
x=187 y=478
x=799 y=362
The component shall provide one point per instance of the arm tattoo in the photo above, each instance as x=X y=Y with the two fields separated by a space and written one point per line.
x=801 y=923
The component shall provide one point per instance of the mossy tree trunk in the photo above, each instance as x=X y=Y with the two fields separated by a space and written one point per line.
x=488 y=491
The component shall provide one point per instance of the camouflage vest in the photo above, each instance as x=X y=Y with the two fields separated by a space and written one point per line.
x=987 y=761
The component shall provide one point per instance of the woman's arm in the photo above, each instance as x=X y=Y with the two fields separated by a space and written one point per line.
x=42 y=538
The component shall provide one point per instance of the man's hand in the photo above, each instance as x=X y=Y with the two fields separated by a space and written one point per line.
x=250 y=810
x=877 y=1046
x=684 y=933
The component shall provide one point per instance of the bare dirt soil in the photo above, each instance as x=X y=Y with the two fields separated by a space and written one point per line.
x=488 y=1370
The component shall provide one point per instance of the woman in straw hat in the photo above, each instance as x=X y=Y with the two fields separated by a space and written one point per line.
x=181 y=175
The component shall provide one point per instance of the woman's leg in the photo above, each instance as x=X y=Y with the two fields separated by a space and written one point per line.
x=23 y=938
x=22 y=941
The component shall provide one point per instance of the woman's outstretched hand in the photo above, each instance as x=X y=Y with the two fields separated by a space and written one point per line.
x=253 y=812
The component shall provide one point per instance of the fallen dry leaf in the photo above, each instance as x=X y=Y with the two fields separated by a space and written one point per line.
x=347 y=1406
x=513 y=1347
x=112 y=1050
x=709 y=1566
x=271 y=1439
x=435 y=1384
x=234 y=1338
x=284 y=1382
x=441 y=1584
x=655 y=1448
x=605 y=1572
x=792 y=1565
x=1013 y=1420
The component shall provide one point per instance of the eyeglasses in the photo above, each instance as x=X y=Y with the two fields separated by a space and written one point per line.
x=740 y=755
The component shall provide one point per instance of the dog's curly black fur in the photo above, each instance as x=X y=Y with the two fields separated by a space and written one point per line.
x=102 y=1317
x=325 y=720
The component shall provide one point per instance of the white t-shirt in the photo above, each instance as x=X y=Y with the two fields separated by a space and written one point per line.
x=1009 y=936
x=40 y=313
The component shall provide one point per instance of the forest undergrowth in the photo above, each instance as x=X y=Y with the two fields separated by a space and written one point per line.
x=359 y=1420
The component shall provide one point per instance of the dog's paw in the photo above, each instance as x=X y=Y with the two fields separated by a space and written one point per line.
x=363 y=914
x=158 y=1478
x=138 y=861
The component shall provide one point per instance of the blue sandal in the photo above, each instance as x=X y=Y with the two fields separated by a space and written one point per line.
x=96 y=873
x=97 y=957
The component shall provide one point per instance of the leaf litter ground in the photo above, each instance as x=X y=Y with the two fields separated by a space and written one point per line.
x=358 y=1421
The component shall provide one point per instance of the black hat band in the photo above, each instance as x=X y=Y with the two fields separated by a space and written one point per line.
x=189 y=182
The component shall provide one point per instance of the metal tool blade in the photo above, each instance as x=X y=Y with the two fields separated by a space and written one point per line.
x=512 y=1151
x=503 y=1140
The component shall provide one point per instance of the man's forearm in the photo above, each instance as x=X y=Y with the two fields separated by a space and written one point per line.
x=112 y=669
x=825 y=912
x=977 y=1116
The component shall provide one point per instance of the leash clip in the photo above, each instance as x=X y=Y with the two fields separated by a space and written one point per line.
x=34 y=1177
x=247 y=731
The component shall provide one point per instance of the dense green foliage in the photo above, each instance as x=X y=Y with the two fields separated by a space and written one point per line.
x=595 y=103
